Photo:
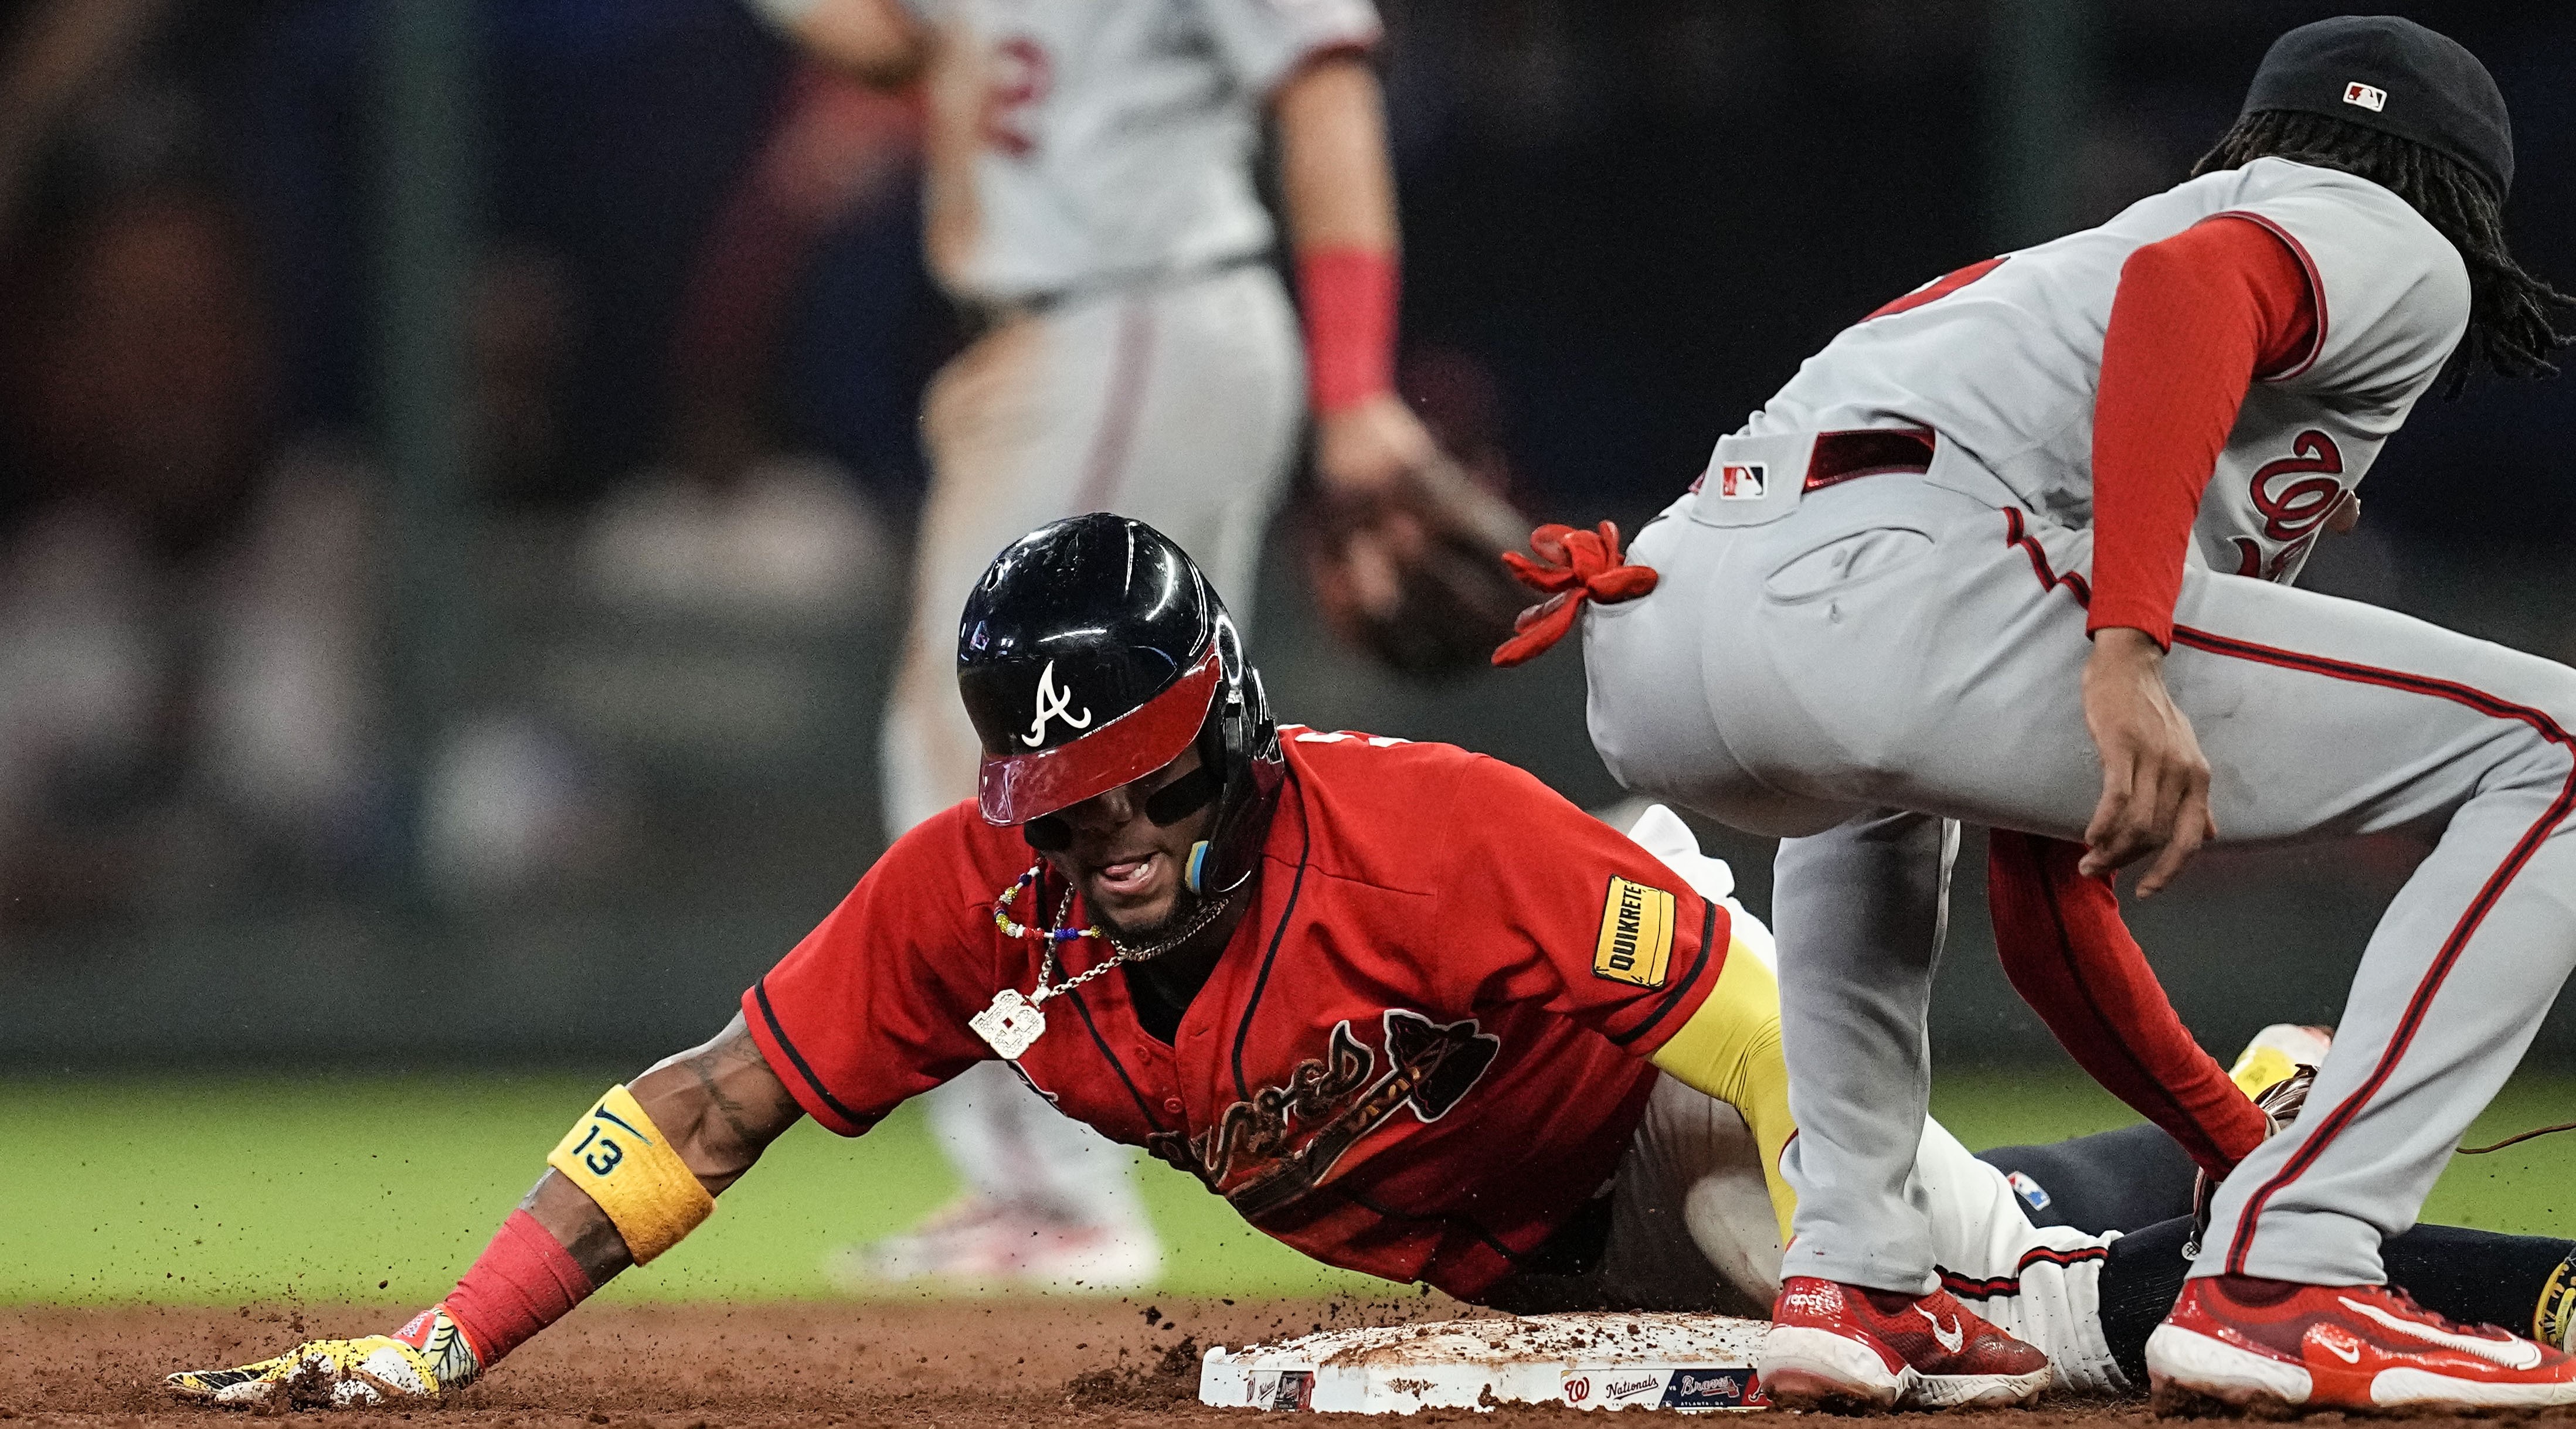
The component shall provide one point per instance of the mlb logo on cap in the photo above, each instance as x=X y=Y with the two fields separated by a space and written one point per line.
x=1740 y=483
x=2366 y=96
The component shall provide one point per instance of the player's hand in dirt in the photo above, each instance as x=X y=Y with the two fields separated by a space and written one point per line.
x=2155 y=783
x=1365 y=449
x=418 y=1364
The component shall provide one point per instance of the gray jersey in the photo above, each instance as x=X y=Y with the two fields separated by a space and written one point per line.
x=2392 y=301
x=1082 y=143
x=1852 y=667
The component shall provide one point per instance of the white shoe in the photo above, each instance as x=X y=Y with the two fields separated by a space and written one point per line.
x=976 y=1244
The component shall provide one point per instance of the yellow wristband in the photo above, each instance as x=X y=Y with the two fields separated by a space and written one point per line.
x=621 y=1160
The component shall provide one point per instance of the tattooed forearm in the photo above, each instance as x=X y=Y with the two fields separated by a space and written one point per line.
x=703 y=1066
x=719 y=1103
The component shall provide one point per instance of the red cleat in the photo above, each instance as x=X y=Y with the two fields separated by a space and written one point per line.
x=2275 y=1343
x=1835 y=1346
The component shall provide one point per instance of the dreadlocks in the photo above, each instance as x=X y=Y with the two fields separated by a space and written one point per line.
x=2510 y=332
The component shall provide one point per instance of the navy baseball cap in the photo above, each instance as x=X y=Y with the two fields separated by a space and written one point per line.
x=2396 y=76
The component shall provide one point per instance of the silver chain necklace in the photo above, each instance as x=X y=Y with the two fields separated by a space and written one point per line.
x=1014 y=1021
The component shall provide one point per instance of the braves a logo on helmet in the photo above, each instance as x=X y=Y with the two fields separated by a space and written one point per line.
x=1054 y=703
x=1341 y=1098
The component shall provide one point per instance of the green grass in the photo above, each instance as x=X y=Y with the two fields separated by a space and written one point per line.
x=344 y=1189
x=341 y=1189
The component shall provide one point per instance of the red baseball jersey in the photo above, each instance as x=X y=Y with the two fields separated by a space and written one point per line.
x=1423 y=1049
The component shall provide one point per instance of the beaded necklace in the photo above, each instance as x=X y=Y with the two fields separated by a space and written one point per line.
x=1013 y=1023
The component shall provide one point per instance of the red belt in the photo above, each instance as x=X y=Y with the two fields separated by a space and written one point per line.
x=1871 y=451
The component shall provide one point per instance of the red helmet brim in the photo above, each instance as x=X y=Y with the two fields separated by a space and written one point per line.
x=1015 y=788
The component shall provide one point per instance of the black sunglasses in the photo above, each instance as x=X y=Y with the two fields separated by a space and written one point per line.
x=1053 y=833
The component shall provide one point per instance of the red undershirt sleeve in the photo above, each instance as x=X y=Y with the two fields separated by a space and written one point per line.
x=2198 y=317
x=2065 y=949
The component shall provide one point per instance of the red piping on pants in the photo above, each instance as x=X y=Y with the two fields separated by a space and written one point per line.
x=2420 y=1004
x=2323 y=1130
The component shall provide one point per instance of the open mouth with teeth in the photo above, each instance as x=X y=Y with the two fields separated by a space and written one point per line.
x=1125 y=882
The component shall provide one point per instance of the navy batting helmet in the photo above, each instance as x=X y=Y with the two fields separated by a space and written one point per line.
x=1092 y=653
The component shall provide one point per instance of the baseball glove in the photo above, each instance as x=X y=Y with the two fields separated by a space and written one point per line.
x=1415 y=576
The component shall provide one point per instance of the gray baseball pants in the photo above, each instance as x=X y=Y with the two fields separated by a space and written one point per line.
x=1900 y=650
x=1178 y=404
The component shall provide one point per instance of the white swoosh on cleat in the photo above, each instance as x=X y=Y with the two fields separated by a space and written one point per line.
x=1951 y=1338
x=2511 y=1352
x=2348 y=1356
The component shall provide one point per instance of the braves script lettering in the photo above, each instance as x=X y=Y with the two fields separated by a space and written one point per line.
x=1250 y=1155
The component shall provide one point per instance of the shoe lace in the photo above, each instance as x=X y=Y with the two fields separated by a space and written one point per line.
x=2414 y=1306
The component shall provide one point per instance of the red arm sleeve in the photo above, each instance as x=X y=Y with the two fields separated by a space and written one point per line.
x=1572 y=915
x=2198 y=316
x=2069 y=955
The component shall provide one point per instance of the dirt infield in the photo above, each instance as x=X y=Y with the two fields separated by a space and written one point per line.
x=954 y=1364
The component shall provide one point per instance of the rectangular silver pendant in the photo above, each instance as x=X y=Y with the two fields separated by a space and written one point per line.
x=1010 y=1026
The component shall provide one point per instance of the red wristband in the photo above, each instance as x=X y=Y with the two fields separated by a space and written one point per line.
x=524 y=1281
x=1349 y=296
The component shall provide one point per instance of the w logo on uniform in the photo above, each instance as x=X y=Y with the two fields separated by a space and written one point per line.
x=1740 y=483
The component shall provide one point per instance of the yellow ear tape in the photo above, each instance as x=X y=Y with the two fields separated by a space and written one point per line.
x=621 y=1160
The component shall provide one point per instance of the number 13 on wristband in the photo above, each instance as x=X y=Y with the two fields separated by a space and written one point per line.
x=622 y=1161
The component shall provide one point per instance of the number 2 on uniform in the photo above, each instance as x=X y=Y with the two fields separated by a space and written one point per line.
x=1022 y=75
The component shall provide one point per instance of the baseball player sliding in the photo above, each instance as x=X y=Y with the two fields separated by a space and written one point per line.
x=2013 y=550
x=1403 y=1007
x=1091 y=198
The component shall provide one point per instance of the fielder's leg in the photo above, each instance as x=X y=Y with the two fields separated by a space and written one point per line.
x=1178 y=406
x=1216 y=425
x=1013 y=425
x=1858 y=913
x=1900 y=643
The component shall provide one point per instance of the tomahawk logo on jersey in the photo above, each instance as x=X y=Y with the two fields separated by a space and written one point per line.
x=1389 y=1000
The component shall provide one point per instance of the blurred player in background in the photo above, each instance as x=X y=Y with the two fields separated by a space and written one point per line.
x=1091 y=202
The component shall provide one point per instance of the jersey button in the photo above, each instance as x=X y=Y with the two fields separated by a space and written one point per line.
x=1172 y=1105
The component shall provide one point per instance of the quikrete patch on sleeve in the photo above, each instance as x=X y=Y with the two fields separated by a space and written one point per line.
x=621 y=1160
x=1636 y=944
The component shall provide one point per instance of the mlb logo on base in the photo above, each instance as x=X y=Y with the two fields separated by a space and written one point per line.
x=1740 y=483
x=2366 y=96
